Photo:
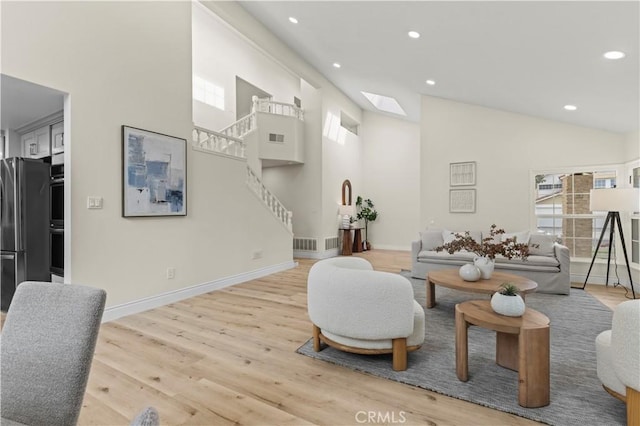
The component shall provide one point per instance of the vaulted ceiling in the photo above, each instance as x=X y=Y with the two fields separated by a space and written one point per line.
x=527 y=57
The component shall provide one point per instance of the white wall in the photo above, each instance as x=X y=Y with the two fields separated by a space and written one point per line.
x=130 y=63
x=298 y=187
x=391 y=169
x=220 y=54
x=340 y=161
x=311 y=219
x=506 y=147
x=632 y=142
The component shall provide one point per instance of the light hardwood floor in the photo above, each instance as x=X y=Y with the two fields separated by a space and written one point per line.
x=228 y=357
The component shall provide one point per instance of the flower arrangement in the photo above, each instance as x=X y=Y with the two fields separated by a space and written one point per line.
x=489 y=247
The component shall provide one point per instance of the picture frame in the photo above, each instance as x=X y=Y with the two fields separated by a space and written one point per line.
x=462 y=201
x=462 y=174
x=154 y=174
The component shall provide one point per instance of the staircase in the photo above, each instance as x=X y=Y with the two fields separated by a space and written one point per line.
x=230 y=142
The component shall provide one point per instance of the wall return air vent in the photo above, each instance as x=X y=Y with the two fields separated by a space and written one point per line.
x=276 y=138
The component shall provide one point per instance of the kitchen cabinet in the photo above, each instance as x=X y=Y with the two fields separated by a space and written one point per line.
x=57 y=138
x=37 y=144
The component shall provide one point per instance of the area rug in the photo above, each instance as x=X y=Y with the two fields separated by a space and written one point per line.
x=577 y=396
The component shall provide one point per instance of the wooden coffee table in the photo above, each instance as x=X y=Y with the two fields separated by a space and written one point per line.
x=451 y=279
x=522 y=344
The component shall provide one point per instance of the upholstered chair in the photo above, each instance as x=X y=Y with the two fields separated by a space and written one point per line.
x=48 y=341
x=618 y=358
x=356 y=309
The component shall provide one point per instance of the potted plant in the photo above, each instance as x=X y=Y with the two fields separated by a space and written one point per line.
x=366 y=212
x=487 y=249
x=507 y=301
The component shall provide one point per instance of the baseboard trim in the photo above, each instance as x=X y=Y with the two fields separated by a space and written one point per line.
x=390 y=247
x=316 y=254
x=129 y=308
x=600 y=280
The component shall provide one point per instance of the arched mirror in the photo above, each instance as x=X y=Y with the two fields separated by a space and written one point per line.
x=346 y=184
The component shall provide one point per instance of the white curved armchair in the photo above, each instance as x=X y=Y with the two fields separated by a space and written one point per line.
x=618 y=358
x=356 y=309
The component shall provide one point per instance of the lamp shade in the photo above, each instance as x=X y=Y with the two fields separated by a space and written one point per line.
x=346 y=210
x=615 y=200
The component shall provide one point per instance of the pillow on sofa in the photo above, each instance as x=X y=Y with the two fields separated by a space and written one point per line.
x=521 y=237
x=545 y=245
x=431 y=239
x=449 y=236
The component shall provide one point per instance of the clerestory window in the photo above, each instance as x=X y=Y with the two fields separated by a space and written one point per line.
x=208 y=92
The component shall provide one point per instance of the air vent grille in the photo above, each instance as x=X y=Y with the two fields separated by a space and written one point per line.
x=276 y=138
x=305 y=244
x=331 y=243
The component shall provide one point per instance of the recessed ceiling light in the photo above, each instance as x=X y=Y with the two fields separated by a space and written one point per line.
x=384 y=103
x=336 y=65
x=430 y=82
x=570 y=107
x=293 y=20
x=614 y=54
x=414 y=34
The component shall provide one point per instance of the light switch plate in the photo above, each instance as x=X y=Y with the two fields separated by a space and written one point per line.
x=94 y=202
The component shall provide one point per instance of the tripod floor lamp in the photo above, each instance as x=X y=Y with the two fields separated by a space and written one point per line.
x=613 y=200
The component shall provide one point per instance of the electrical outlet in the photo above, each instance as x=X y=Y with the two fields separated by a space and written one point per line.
x=257 y=254
x=171 y=273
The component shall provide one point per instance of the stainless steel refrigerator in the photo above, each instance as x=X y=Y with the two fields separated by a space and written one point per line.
x=24 y=216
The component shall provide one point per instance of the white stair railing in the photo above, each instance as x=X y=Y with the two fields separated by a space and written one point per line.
x=241 y=128
x=218 y=142
x=270 y=200
x=266 y=105
x=229 y=141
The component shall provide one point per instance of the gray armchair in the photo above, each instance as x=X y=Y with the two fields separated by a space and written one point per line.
x=48 y=341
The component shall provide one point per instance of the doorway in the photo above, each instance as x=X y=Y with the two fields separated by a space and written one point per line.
x=245 y=91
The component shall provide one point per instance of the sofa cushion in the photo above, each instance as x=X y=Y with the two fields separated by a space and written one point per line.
x=532 y=260
x=431 y=239
x=432 y=255
x=545 y=245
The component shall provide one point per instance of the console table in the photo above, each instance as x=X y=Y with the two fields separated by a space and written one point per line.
x=349 y=247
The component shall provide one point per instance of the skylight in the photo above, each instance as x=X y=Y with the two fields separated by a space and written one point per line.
x=384 y=103
x=614 y=54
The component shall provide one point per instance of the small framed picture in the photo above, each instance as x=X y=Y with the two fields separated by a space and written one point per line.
x=462 y=200
x=154 y=174
x=461 y=174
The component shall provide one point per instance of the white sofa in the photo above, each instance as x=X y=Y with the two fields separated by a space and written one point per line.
x=548 y=264
x=356 y=309
x=618 y=358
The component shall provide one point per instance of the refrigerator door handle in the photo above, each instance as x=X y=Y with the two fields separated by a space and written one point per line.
x=17 y=210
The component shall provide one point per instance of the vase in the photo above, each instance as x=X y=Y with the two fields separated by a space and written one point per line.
x=485 y=265
x=511 y=306
x=469 y=272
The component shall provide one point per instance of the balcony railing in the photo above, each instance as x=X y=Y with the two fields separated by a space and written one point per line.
x=280 y=108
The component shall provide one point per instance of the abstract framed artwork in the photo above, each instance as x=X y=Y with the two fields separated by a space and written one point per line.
x=461 y=174
x=154 y=174
x=462 y=200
